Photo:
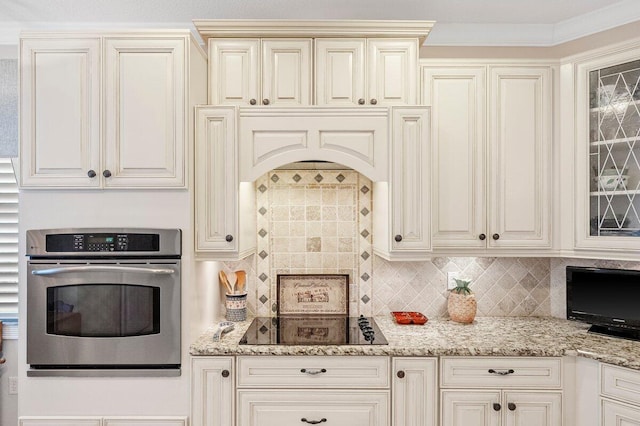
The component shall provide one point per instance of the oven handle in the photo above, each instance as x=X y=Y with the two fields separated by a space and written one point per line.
x=70 y=269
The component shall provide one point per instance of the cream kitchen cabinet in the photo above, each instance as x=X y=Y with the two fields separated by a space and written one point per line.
x=260 y=71
x=402 y=226
x=414 y=390
x=494 y=391
x=492 y=144
x=337 y=390
x=224 y=209
x=607 y=170
x=619 y=396
x=212 y=391
x=365 y=71
x=108 y=110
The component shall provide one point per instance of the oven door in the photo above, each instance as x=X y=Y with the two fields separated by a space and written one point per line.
x=120 y=314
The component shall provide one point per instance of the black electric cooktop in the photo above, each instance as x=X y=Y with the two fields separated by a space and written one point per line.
x=313 y=330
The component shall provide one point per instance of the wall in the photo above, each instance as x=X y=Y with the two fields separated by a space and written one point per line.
x=319 y=221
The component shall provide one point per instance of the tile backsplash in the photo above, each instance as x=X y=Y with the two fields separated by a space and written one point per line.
x=319 y=221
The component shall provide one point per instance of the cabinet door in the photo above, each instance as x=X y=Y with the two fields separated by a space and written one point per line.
x=607 y=153
x=286 y=72
x=414 y=392
x=304 y=407
x=340 y=73
x=409 y=186
x=616 y=414
x=519 y=167
x=144 y=421
x=60 y=112
x=392 y=68
x=457 y=96
x=216 y=180
x=533 y=408
x=470 y=408
x=234 y=72
x=145 y=113
x=59 y=421
x=212 y=392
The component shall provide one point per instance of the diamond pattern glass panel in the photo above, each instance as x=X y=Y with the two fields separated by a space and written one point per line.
x=614 y=123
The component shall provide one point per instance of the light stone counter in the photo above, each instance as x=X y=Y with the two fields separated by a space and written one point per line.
x=487 y=336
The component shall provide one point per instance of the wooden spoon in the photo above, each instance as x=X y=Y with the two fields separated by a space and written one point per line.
x=225 y=282
x=241 y=279
x=231 y=279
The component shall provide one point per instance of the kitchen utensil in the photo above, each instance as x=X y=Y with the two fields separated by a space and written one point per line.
x=231 y=279
x=241 y=278
x=225 y=282
x=223 y=327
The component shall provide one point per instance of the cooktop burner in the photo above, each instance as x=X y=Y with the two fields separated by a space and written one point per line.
x=313 y=330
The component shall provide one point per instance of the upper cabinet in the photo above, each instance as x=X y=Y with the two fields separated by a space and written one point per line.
x=108 y=111
x=366 y=72
x=325 y=63
x=260 y=72
x=492 y=167
x=608 y=153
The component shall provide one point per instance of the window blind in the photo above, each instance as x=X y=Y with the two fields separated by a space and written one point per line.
x=8 y=240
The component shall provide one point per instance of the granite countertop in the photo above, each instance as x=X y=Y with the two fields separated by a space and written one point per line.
x=487 y=336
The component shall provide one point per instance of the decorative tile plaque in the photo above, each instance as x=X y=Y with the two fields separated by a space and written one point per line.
x=321 y=294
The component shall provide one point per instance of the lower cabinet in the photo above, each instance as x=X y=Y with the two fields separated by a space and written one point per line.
x=104 y=421
x=212 y=391
x=304 y=407
x=619 y=396
x=414 y=392
x=496 y=407
x=501 y=391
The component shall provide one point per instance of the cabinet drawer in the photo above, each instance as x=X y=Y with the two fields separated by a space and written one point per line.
x=620 y=383
x=313 y=371
x=303 y=407
x=615 y=414
x=502 y=372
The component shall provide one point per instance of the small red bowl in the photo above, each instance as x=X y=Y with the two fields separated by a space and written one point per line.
x=409 y=318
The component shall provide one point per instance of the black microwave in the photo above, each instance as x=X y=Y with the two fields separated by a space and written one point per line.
x=608 y=299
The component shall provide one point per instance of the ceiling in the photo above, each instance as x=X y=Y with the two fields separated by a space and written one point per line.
x=458 y=22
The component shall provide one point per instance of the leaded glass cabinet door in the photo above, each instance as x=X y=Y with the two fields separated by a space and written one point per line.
x=610 y=208
x=614 y=141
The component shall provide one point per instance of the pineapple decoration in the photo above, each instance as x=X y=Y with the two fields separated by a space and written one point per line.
x=462 y=303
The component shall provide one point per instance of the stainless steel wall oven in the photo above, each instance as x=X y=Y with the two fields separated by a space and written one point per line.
x=103 y=302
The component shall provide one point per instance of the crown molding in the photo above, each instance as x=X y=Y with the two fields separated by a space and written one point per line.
x=535 y=35
x=312 y=28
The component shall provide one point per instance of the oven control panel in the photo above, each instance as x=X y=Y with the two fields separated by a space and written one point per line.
x=82 y=242
x=101 y=242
